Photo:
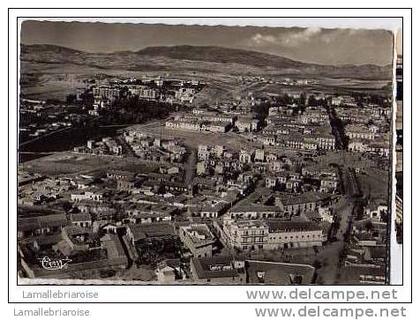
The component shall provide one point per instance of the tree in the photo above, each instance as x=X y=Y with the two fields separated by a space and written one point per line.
x=71 y=98
x=384 y=216
x=66 y=206
x=317 y=264
x=302 y=99
x=369 y=226
x=312 y=101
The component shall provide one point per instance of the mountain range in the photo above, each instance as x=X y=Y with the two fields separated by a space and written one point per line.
x=205 y=58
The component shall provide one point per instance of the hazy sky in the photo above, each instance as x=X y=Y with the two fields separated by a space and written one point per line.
x=313 y=44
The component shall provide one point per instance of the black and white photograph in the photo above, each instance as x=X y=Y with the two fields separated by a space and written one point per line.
x=156 y=153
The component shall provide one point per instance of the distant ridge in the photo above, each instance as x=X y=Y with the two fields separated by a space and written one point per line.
x=47 y=47
x=46 y=53
x=221 y=55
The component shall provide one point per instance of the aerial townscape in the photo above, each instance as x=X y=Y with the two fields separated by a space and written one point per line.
x=181 y=169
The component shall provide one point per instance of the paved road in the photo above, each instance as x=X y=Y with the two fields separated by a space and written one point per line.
x=329 y=255
x=190 y=167
x=336 y=129
x=44 y=136
x=344 y=209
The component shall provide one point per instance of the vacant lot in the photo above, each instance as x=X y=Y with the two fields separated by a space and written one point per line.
x=374 y=183
x=72 y=163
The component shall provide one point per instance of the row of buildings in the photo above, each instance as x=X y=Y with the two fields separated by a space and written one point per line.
x=212 y=121
x=271 y=234
x=281 y=173
x=158 y=89
x=87 y=253
x=291 y=128
x=367 y=128
x=366 y=255
x=104 y=146
x=150 y=148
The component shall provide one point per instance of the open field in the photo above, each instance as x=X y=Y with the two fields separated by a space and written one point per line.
x=374 y=184
x=347 y=160
x=63 y=163
x=51 y=83
x=193 y=139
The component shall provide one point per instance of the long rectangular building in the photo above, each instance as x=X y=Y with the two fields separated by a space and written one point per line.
x=272 y=234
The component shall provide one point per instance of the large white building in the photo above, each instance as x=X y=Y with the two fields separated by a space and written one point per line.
x=271 y=234
x=246 y=234
x=291 y=234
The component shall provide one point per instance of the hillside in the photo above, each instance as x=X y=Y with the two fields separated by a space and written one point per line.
x=221 y=55
x=205 y=58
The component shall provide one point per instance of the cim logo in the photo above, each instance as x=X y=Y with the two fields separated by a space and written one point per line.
x=54 y=264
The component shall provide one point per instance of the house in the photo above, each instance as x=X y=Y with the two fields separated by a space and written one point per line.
x=247 y=124
x=128 y=185
x=271 y=157
x=267 y=139
x=138 y=232
x=325 y=141
x=245 y=157
x=173 y=170
x=171 y=186
x=380 y=148
x=293 y=184
x=376 y=255
x=169 y=271
x=366 y=239
x=45 y=224
x=279 y=273
x=217 y=127
x=82 y=182
x=309 y=143
x=192 y=125
x=95 y=195
x=114 y=250
x=283 y=176
x=363 y=274
x=375 y=210
x=255 y=211
x=219 y=150
x=276 y=166
x=319 y=171
x=212 y=209
x=150 y=214
x=83 y=220
x=270 y=182
x=203 y=152
x=219 y=168
x=336 y=101
x=218 y=270
x=357 y=131
x=198 y=239
x=99 y=210
x=259 y=155
x=201 y=168
x=326 y=214
x=106 y=92
x=246 y=234
x=165 y=274
x=358 y=145
x=328 y=184
x=295 y=204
